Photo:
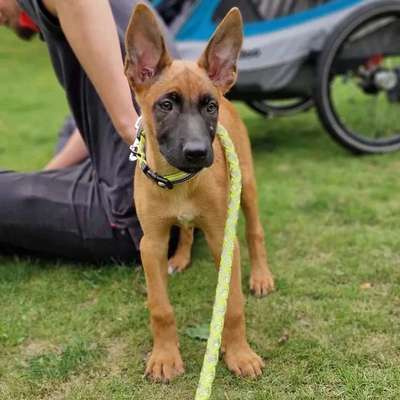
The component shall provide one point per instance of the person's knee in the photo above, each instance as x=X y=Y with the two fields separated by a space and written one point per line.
x=17 y=196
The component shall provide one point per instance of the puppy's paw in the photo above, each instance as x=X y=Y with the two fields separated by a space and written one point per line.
x=261 y=283
x=164 y=365
x=178 y=263
x=243 y=361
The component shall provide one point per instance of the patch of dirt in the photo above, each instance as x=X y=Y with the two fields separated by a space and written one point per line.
x=64 y=389
x=33 y=348
x=115 y=351
x=88 y=304
x=111 y=366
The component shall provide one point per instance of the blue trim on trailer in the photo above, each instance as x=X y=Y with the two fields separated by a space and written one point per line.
x=155 y=3
x=200 y=26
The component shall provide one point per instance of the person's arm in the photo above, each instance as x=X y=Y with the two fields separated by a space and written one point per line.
x=90 y=29
x=72 y=153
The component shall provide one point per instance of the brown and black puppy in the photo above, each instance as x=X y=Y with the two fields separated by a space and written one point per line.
x=181 y=104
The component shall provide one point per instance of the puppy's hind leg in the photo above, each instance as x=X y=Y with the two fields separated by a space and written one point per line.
x=182 y=257
x=261 y=280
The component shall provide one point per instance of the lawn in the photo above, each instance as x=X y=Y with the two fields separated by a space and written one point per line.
x=330 y=331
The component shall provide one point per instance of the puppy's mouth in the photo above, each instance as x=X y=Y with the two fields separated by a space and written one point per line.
x=191 y=170
x=177 y=159
x=192 y=166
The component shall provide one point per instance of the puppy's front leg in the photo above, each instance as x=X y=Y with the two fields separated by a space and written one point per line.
x=238 y=355
x=165 y=362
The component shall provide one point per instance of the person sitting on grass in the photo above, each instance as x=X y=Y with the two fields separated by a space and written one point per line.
x=81 y=206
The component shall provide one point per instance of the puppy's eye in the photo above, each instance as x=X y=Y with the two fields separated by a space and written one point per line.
x=166 y=105
x=212 y=107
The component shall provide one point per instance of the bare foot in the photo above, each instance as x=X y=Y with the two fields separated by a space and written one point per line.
x=261 y=282
x=164 y=364
x=243 y=361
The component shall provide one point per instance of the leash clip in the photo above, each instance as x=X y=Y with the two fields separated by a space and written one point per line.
x=134 y=148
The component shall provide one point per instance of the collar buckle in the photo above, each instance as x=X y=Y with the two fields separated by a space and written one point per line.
x=162 y=182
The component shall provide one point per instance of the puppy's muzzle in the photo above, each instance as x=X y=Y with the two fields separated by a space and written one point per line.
x=195 y=152
x=197 y=155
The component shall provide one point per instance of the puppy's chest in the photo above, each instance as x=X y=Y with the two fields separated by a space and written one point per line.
x=186 y=219
x=185 y=213
x=179 y=206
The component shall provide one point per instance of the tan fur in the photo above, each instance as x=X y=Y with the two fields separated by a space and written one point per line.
x=200 y=203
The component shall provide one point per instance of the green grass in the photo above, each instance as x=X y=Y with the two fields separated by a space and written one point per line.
x=81 y=332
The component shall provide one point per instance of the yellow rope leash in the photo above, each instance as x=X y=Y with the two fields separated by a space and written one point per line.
x=224 y=277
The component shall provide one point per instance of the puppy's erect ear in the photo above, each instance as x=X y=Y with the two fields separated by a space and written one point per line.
x=222 y=52
x=146 y=53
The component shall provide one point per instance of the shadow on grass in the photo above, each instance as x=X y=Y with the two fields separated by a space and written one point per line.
x=300 y=135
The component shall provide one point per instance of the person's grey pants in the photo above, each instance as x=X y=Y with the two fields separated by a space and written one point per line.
x=60 y=213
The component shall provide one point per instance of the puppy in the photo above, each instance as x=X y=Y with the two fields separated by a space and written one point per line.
x=182 y=103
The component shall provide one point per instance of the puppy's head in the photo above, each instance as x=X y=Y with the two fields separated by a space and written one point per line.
x=180 y=99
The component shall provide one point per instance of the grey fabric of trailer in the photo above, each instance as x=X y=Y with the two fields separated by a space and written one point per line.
x=260 y=10
x=85 y=212
x=278 y=8
x=272 y=58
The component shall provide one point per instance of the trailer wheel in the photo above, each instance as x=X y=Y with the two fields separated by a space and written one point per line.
x=357 y=94
x=281 y=108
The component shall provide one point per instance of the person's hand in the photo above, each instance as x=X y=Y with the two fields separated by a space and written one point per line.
x=127 y=130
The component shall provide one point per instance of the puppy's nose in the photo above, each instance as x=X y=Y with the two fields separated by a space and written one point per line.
x=195 y=151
